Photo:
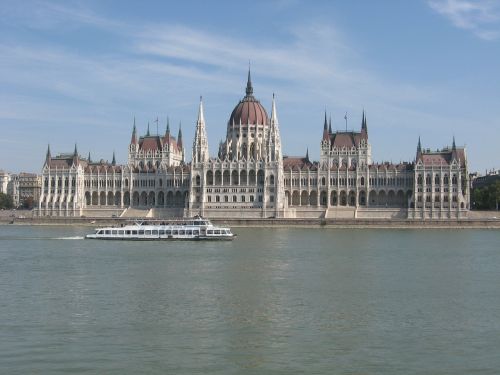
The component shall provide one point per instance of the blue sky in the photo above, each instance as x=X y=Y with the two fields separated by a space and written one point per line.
x=80 y=71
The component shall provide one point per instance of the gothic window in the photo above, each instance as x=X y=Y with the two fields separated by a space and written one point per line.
x=271 y=179
x=436 y=179
x=428 y=180
x=446 y=180
x=243 y=198
x=362 y=181
x=234 y=198
x=252 y=150
x=419 y=179
x=454 y=179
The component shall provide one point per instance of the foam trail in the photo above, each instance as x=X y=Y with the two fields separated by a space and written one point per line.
x=70 y=238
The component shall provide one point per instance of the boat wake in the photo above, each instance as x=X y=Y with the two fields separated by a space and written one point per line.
x=70 y=238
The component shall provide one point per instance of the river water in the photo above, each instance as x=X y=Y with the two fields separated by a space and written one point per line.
x=274 y=301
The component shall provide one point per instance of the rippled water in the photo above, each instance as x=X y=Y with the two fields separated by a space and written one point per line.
x=274 y=301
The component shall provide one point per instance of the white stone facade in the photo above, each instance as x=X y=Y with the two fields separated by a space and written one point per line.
x=250 y=178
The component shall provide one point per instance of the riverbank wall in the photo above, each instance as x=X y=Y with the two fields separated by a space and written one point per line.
x=476 y=220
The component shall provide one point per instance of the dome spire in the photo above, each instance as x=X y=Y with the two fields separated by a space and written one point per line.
x=249 y=89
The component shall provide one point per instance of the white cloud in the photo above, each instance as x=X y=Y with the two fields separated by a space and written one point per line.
x=158 y=70
x=482 y=17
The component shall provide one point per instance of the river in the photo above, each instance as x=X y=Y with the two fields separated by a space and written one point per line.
x=273 y=301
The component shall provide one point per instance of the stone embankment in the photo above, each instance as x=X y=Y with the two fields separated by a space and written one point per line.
x=475 y=220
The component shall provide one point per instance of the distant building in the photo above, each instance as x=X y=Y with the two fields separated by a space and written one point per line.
x=29 y=188
x=250 y=177
x=4 y=181
x=488 y=179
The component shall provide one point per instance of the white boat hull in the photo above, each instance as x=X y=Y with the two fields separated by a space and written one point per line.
x=197 y=229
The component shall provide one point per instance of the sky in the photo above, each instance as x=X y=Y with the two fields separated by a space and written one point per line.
x=81 y=71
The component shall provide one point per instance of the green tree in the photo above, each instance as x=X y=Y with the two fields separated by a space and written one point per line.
x=6 y=201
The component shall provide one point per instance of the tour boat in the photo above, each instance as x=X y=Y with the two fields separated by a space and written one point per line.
x=196 y=228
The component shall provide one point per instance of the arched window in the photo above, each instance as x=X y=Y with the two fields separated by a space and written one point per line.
x=436 y=179
x=271 y=179
x=362 y=181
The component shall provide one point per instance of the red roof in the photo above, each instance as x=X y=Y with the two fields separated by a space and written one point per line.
x=443 y=157
x=346 y=139
x=249 y=111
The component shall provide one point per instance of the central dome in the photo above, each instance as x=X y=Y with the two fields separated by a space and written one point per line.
x=249 y=110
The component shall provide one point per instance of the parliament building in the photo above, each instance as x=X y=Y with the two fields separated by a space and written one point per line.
x=250 y=178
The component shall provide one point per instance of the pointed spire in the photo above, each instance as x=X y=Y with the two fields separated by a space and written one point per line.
x=363 y=122
x=325 y=129
x=201 y=115
x=419 y=148
x=249 y=89
x=134 y=134
x=167 y=131
x=48 y=156
x=179 y=136
x=113 y=162
x=200 y=142
x=307 y=154
x=330 y=125
x=274 y=114
x=88 y=159
x=75 y=152
x=454 y=146
x=148 y=134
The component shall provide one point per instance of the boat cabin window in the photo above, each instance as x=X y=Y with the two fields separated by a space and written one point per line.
x=210 y=231
x=174 y=232
x=134 y=233
x=155 y=233
x=181 y=232
x=147 y=233
x=128 y=232
x=99 y=232
x=141 y=232
x=120 y=232
x=107 y=232
x=196 y=232
x=216 y=231
x=162 y=232
x=189 y=232
x=169 y=232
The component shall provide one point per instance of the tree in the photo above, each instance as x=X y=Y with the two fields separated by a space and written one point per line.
x=487 y=198
x=6 y=201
